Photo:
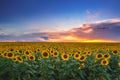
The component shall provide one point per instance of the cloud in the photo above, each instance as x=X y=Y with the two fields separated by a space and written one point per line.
x=99 y=31
x=91 y=15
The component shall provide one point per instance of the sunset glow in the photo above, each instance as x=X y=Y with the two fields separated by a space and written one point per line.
x=59 y=21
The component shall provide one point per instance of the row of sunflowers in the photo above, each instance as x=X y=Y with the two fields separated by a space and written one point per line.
x=59 y=61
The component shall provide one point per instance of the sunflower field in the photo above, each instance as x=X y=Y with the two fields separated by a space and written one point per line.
x=59 y=61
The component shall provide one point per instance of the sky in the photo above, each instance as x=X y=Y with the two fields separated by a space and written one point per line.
x=59 y=20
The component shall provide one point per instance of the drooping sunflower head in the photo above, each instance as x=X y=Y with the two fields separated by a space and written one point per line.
x=39 y=58
x=82 y=66
x=99 y=56
x=82 y=58
x=65 y=56
x=45 y=54
x=76 y=56
x=104 y=62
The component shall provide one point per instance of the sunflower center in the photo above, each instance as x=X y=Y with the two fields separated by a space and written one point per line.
x=106 y=56
x=27 y=52
x=104 y=62
x=10 y=54
x=99 y=56
x=31 y=57
x=19 y=58
x=55 y=53
x=65 y=56
x=45 y=54
x=11 y=49
x=82 y=58
x=76 y=55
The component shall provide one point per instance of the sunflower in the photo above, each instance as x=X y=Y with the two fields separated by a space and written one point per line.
x=31 y=57
x=99 y=56
x=27 y=53
x=5 y=54
x=55 y=54
x=65 y=57
x=14 y=59
x=115 y=52
x=19 y=59
x=82 y=58
x=70 y=54
x=119 y=64
x=10 y=55
x=0 y=53
x=107 y=56
x=11 y=49
x=82 y=66
x=39 y=58
x=89 y=53
x=104 y=62
x=76 y=56
x=45 y=54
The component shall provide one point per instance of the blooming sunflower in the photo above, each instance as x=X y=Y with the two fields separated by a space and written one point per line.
x=119 y=64
x=10 y=55
x=31 y=57
x=55 y=54
x=65 y=57
x=89 y=53
x=82 y=58
x=104 y=62
x=99 y=56
x=115 y=52
x=19 y=59
x=107 y=56
x=14 y=59
x=39 y=58
x=27 y=53
x=45 y=54
x=82 y=66
x=76 y=56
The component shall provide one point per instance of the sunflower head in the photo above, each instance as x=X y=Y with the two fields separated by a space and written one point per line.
x=115 y=52
x=99 y=56
x=107 y=56
x=82 y=66
x=39 y=58
x=19 y=59
x=31 y=57
x=76 y=56
x=27 y=53
x=82 y=58
x=55 y=54
x=104 y=62
x=89 y=53
x=14 y=59
x=65 y=57
x=45 y=54
x=10 y=55
x=119 y=64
